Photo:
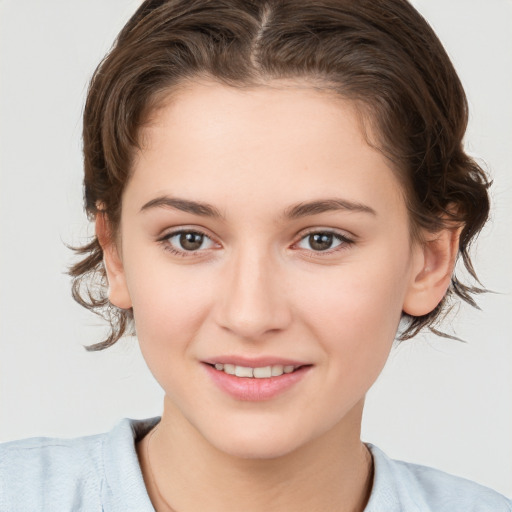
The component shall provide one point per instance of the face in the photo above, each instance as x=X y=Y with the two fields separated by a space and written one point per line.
x=260 y=230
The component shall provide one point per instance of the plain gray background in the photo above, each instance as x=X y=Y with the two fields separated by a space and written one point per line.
x=442 y=403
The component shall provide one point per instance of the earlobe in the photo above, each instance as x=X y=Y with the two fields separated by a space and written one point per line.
x=432 y=272
x=117 y=288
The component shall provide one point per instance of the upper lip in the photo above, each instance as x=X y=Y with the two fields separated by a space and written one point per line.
x=254 y=362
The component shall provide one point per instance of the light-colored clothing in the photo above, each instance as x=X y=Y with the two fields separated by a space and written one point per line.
x=101 y=473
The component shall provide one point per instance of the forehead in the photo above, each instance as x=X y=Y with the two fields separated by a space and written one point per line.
x=277 y=114
x=272 y=143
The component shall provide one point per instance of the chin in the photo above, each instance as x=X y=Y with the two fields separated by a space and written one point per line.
x=260 y=448
x=266 y=442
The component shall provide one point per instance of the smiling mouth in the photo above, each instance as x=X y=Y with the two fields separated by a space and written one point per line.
x=263 y=372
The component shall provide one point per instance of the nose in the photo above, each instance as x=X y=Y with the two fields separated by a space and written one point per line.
x=254 y=301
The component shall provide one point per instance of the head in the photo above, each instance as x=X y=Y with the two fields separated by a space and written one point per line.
x=275 y=179
x=381 y=57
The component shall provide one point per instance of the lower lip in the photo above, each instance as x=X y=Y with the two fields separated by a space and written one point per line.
x=252 y=389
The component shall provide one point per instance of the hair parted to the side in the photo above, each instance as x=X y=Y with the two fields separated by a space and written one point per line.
x=381 y=54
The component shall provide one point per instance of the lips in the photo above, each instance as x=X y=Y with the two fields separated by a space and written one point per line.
x=255 y=379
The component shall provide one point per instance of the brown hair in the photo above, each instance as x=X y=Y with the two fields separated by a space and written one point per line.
x=379 y=53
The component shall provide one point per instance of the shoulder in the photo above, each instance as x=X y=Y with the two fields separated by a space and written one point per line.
x=60 y=471
x=413 y=487
x=80 y=474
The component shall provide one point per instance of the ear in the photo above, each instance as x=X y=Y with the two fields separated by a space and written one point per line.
x=434 y=263
x=118 y=293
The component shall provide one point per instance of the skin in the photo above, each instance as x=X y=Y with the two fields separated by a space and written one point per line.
x=257 y=287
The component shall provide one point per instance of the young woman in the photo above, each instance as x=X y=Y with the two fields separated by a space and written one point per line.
x=279 y=189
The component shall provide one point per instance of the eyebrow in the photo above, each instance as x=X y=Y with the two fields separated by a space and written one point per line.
x=325 y=205
x=185 y=205
x=293 y=212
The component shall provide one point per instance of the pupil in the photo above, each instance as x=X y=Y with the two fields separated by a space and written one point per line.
x=191 y=241
x=320 y=241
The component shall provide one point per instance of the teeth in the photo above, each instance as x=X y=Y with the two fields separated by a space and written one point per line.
x=229 y=368
x=257 y=373
x=277 y=370
x=243 y=371
x=263 y=373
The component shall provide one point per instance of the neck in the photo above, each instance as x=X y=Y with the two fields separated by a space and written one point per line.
x=331 y=473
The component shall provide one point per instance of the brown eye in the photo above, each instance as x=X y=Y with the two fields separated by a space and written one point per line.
x=187 y=241
x=321 y=241
x=191 y=241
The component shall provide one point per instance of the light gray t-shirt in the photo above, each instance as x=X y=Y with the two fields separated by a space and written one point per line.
x=101 y=473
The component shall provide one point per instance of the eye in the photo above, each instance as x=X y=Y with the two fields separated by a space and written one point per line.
x=181 y=242
x=323 y=241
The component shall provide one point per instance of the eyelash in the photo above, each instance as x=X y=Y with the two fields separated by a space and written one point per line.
x=345 y=242
x=165 y=241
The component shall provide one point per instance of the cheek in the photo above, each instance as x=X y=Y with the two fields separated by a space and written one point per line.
x=169 y=305
x=168 y=312
x=354 y=312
